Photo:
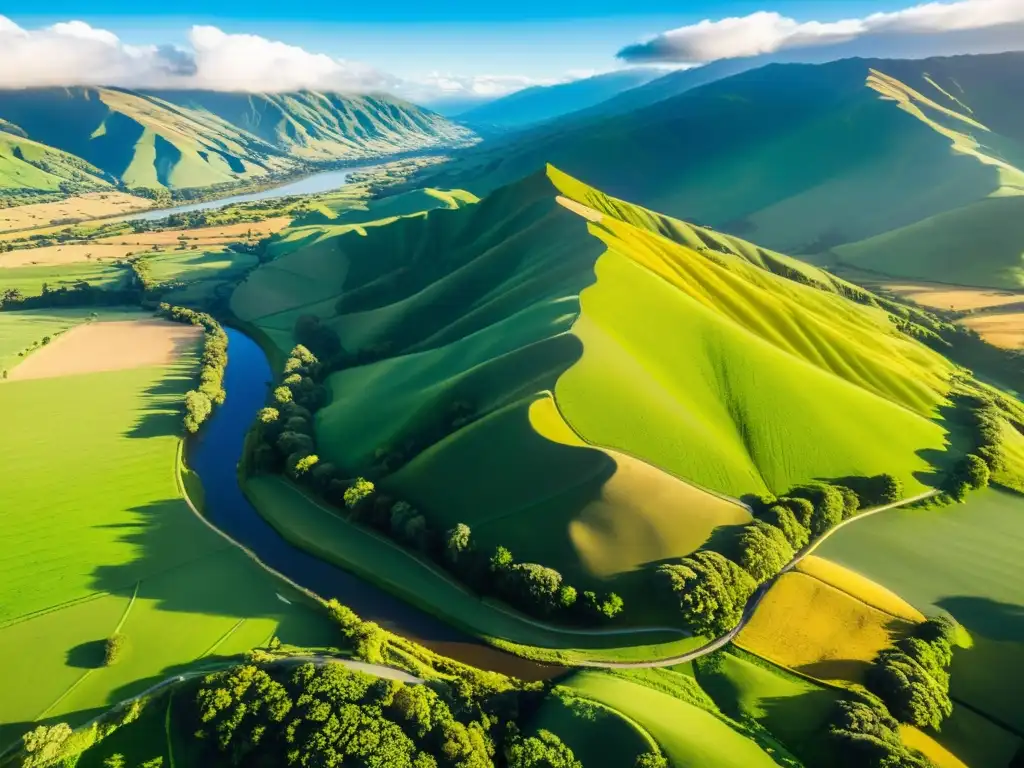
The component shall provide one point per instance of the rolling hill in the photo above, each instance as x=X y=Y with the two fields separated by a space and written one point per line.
x=803 y=158
x=545 y=304
x=197 y=139
x=27 y=165
x=540 y=103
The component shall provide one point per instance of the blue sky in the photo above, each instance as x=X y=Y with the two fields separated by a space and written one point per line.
x=532 y=38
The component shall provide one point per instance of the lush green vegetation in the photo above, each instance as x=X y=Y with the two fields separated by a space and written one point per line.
x=113 y=549
x=199 y=402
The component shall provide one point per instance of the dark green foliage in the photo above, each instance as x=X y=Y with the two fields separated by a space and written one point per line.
x=802 y=509
x=864 y=735
x=43 y=744
x=114 y=648
x=651 y=760
x=912 y=678
x=457 y=543
x=711 y=589
x=763 y=550
x=320 y=339
x=545 y=750
x=532 y=586
x=829 y=506
x=237 y=706
x=293 y=442
x=851 y=501
x=783 y=518
x=971 y=472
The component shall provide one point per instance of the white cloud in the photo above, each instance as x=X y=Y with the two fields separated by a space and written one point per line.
x=768 y=32
x=75 y=53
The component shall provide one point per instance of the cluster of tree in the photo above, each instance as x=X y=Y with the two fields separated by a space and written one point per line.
x=49 y=745
x=531 y=587
x=114 y=648
x=287 y=442
x=199 y=402
x=912 y=678
x=330 y=715
x=712 y=590
x=77 y=294
x=864 y=735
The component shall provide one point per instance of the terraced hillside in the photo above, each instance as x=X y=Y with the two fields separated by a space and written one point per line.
x=197 y=139
x=923 y=156
x=622 y=375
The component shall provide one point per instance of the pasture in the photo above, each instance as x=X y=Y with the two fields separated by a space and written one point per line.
x=687 y=734
x=964 y=560
x=22 y=333
x=90 y=205
x=30 y=280
x=824 y=629
x=100 y=540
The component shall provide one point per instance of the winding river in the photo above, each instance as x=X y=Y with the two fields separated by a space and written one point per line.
x=214 y=455
x=325 y=181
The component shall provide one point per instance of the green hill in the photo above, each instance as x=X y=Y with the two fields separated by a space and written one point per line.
x=623 y=369
x=26 y=165
x=198 y=139
x=803 y=158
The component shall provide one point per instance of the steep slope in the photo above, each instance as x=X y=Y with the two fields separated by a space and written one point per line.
x=321 y=126
x=540 y=103
x=26 y=165
x=197 y=139
x=621 y=371
x=797 y=157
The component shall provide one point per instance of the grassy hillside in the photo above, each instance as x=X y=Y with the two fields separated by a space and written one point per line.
x=197 y=139
x=540 y=103
x=617 y=366
x=27 y=165
x=325 y=126
x=800 y=158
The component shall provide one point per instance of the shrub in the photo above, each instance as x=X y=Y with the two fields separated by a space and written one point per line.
x=114 y=648
x=197 y=408
x=299 y=464
x=783 y=518
x=268 y=415
x=763 y=550
x=829 y=506
x=711 y=590
x=358 y=492
x=282 y=395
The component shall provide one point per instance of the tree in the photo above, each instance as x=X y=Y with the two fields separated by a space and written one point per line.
x=911 y=694
x=501 y=561
x=282 y=395
x=198 y=407
x=851 y=501
x=268 y=415
x=567 y=597
x=299 y=465
x=864 y=735
x=783 y=518
x=115 y=760
x=802 y=509
x=651 y=760
x=973 y=470
x=457 y=542
x=763 y=550
x=236 y=705
x=114 y=648
x=545 y=750
x=534 y=586
x=294 y=442
x=711 y=589
x=358 y=492
x=44 y=744
x=829 y=506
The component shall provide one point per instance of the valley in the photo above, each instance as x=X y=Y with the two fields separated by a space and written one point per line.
x=661 y=424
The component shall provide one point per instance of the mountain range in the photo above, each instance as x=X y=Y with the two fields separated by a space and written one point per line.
x=179 y=139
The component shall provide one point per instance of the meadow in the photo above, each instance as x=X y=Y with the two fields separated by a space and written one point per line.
x=113 y=547
x=963 y=560
x=23 y=332
x=90 y=205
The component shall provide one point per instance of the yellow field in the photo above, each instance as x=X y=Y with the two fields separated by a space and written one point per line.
x=826 y=622
x=91 y=205
x=120 y=246
x=1004 y=329
x=923 y=742
x=960 y=298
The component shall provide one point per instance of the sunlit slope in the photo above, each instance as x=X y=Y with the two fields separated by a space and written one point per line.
x=326 y=126
x=614 y=378
x=29 y=165
x=179 y=139
x=795 y=157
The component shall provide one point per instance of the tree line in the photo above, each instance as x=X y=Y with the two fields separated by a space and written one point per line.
x=287 y=444
x=712 y=590
x=199 y=402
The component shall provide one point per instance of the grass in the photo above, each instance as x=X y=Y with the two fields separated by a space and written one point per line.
x=114 y=526
x=596 y=733
x=686 y=734
x=86 y=206
x=322 y=532
x=963 y=560
x=30 y=280
x=793 y=709
x=824 y=629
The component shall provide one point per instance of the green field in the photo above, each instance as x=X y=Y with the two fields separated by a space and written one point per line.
x=113 y=544
x=596 y=733
x=30 y=280
x=687 y=734
x=964 y=560
x=324 y=533
x=29 y=165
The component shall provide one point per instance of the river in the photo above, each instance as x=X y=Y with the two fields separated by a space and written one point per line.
x=325 y=181
x=214 y=456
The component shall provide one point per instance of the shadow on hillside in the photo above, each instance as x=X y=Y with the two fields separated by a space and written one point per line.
x=989 y=618
x=954 y=419
x=88 y=655
x=163 y=409
x=835 y=669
